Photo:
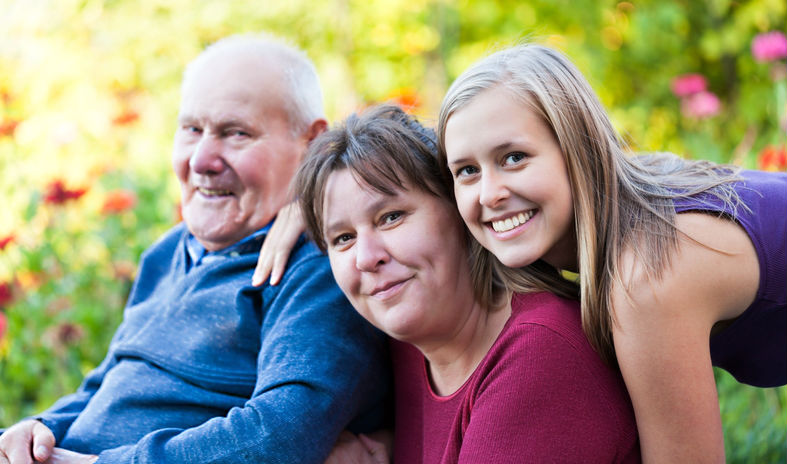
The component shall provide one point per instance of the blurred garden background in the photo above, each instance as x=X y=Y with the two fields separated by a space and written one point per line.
x=89 y=92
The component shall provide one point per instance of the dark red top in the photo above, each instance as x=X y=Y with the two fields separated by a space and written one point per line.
x=541 y=394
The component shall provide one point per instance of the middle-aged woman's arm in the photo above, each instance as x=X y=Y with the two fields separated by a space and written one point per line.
x=277 y=246
x=662 y=336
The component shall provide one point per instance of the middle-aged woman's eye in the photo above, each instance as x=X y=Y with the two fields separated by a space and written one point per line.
x=391 y=217
x=342 y=239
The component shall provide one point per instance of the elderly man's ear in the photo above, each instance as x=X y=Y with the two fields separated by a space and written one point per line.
x=317 y=127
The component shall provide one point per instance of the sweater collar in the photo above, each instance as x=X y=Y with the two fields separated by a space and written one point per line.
x=198 y=255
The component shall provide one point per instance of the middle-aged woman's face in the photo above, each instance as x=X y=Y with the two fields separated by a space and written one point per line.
x=400 y=259
x=510 y=181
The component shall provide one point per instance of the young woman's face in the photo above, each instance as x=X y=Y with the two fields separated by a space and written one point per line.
x=510 y=181
x=400 y=260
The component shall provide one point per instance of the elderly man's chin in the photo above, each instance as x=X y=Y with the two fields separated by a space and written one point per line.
x=215 y=226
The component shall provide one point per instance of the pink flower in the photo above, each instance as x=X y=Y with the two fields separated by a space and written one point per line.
x=3 y=324
x=769 y=46
x=700 y=105
x=688 y=84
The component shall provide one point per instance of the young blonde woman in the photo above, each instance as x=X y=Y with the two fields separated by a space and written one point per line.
x=681 y=263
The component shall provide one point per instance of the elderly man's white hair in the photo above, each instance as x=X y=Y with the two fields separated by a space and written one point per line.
x=305 y=99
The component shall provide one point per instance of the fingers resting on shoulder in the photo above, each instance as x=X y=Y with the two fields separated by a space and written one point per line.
x=278 y=245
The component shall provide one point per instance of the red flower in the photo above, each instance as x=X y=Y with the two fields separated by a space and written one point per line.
x=3 y=324
x=124 y=270
x=125 y=118
x=770 y=46
x=8 y=127
x=63 y=335
x=688 y=84
x=407 y=98
x=773 y=159
x=5 y=241
x=57 y=193
x=118 y=201
x=6 y=296
x=68 y=333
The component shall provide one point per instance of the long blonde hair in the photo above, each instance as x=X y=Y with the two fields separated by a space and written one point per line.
x=620 y=202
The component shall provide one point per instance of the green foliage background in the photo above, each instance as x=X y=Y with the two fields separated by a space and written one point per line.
x=89 y=95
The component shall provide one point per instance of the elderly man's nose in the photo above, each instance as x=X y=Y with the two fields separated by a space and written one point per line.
x=207 y=157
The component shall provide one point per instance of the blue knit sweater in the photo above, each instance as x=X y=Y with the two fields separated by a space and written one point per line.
x=208 y=369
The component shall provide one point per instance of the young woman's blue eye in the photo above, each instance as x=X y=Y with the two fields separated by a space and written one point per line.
x=513 y=158
x=466 y=171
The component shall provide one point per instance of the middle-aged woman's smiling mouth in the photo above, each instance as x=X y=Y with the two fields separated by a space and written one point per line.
x=388 y=290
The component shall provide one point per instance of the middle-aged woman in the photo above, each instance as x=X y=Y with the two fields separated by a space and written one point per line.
x=482 y=375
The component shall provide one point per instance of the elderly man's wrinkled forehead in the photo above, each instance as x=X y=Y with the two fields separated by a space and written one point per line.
x=233 y=64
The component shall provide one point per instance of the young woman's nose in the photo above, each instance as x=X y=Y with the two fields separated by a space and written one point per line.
x=207 y=156
x=493 y=190
x=370 y=252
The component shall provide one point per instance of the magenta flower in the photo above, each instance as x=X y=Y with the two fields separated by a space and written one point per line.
x=3 y=324
x=700 y=105
x=769 y=46
x=689 y=84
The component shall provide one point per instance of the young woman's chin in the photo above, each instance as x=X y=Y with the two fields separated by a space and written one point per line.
x=515 y=260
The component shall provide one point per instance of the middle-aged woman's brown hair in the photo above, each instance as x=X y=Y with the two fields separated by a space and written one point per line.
x=386 y=150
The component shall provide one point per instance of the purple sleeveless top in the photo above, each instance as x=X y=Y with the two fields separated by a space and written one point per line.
x=754 y=347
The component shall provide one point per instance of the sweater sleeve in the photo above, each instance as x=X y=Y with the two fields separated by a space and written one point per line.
x=59 y=417
x=542 y=401
x=62 y=414
x=319 y=366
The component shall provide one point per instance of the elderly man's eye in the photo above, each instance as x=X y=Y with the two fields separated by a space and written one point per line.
x=237 y=133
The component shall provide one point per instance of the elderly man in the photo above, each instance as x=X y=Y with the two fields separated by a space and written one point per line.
x=206 y=368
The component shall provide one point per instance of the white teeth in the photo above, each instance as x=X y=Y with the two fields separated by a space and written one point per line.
x=514 y=221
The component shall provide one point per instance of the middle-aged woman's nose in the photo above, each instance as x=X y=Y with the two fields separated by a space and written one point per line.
x=370 y=252
x=207 y=157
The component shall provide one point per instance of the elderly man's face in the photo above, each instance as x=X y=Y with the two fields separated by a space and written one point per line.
x=234 y=152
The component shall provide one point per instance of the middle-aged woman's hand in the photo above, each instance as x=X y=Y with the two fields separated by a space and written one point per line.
x=277 y=246
x=360 y=449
